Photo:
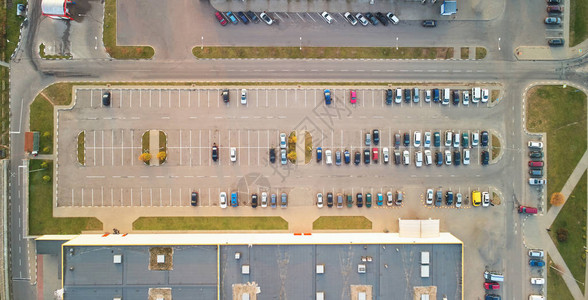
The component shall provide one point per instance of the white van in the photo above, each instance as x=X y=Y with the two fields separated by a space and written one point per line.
x=446 y=94
x=493 y=276
x=477 y=92
x=536 y=297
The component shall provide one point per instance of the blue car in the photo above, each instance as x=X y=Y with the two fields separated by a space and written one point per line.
x=273 y=201
x=536 y=263
x=284 y=200
x=327 y=97
x=380 y=199
x=234 y=200
x=232 y=18
x=319 y=154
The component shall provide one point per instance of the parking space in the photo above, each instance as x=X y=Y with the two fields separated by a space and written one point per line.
x=194 y=119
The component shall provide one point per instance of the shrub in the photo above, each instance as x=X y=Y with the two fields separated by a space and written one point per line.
x=562 y=235
x=557 y=199
x=145 y=157
x=47 y=178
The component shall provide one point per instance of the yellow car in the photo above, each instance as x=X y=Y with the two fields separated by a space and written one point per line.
x=476 y=198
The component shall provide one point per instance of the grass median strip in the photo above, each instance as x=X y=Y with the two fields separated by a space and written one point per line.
x=465 y=52
x=41 y=220
x=325 y=52
x=495 y=146
x=210 y=223
x=481 y=52
x=568 y=231
x=342 y=223
x=561 y=113
x=120 y=52
x=41 y=119
x=82 y=148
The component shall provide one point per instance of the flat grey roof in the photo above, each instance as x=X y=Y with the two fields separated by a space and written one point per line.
x=280 y=271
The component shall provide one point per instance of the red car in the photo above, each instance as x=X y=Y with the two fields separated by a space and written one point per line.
x=535 y=163
x=375 y=154
x=220 y=18
x=554 y=9
x=353 y=97
x=491 y=285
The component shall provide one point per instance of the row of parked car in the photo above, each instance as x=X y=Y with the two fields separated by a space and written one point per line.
x=420 y=157
x=266 y=200
x=554 y=10
x=443 y=96
x=491 y=282
x=536 y=163
x=243 y=17
x=427 y=139
x=347 y=199
x=478 y=198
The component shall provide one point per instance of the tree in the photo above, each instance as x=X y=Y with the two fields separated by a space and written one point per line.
x=145 y=157
x=557 y=199
x=292 y=156
x=47 y=178
x=46 y=149
x=292 y=139
x=161 y=155
x=44 y=165
x=46 y=133
x=562 y=235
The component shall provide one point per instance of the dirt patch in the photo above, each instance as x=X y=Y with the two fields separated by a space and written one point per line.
x=250 y=288
x=496 y=199
x=160 y=293
x=168 y=254
x=355 y=289
x=424 y=290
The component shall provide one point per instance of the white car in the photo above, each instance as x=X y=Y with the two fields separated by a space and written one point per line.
x=393 y=19
x=350 y=18
x=362 y=19
x=427 y=95
x=386 y=154
x=475 y=139
x=417 y=139
x=538 y=281
x=448 y=157
x=264 y=199
x=427 y=139
x=406 y=157
x=418 y=159
x=458 y=200
x=428 y=158
x=223 y=200
x=466 y=156
x=398 y=98
x=536 y=181
x=319 y=200
x=282 y=140
x=456 y=138
x=537 y=253
x=446 y=94
x=390 y=199
x=448 y=138
x=429 y=199
x=476 y=95
x=466 y=98
x=243 y=96
x=535 y=145
x=485 y=95
x=327 y=17
x=266 y=18
x=328 y=157
x=233 y=154
x=485 y=199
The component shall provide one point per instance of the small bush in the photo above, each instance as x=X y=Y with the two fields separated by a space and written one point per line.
x=557 y=199
x=562 y=235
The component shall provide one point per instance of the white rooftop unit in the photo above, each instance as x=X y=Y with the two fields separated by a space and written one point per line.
x=425 y=257
x=245 y=269
x=361 y=268
x=320 y=295
x=425 y=297
x=160 y=258
x=244 y=296
x=159 y=298
x=320 y=269
x=117 y=298
x=424 y=271
x=361 y=296
x=117 y=259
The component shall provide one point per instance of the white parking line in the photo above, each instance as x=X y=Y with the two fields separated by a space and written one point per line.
x=311 y=17
x=190 y=148
x=102 y=148
x=298 y=14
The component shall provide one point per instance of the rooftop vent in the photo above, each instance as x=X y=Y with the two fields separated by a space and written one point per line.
x=117 y=259
x=245 y=269
x=320 y=269
x=361 y=268
x=160 y=259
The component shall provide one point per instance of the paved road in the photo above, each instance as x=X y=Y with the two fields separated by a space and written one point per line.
x=28 y=77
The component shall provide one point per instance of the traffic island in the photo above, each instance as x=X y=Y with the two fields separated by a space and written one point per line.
x=291 y=149
x=341 y=223
x=495 y=146
x=307 y=147
x=82 y=148
x=210 y=223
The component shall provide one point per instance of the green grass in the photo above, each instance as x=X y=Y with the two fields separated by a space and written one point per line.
x=41 y=220
x=210 y=223
x=82 y=148
x=561 y=113
x=480 y=52
x=556 y=286
x=342 y=223
x=307 y=147
x=162 y=145
x=145 y=141
x=578 y=22
x=573 y=218
x=324 y=52
x=11 y=28
x=120 y=52
x=45 y=56
x=465 y=52
x=42 y=121
x=291 y=147
x=495 y=146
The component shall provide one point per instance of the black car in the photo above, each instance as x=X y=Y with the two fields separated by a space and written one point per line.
x=407 y=95
x=366 y=156
x=389 y=95
x=449 y=198
x=397 y=140
x=455 y=97
x=225 y=94
x=272 y=155
x=382 y=18
x=406 y=139
x=556 y=42
x=252 y=16
x=429 y=23
x=243 y=18
x=214 y=152
x=194 y=200
x=456 y=157
x=376 y=136
x=372 y=19
x=439 y=158
x=254 y=200
x=397 y=159
x=106 y=99
x=536 y=154
x=485 y=158
x=330 y=199
x=347 y=157
x=357 y=158
x=484 y=138
x=359 y=200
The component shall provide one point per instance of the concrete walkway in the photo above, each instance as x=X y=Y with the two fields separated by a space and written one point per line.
x=154 y=147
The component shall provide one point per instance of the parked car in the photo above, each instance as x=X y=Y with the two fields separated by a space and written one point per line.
x=466 y=98
x=328 y=157
x=427 y=143
x=406 y=139
x=233 y=154
x=338 y=158
x=466 y=156
x=225 y=95
x=417 y=139
x=368 y=200
x=350 y=18
x=527 y=210
x=536 y=253
x=485 y=157
x=349 y=201
x=392 y=18
x=554 y=9
x=398 y=98
x=389 y=96
x=379 y=199
x=429 y=197
x=491 y=285
x=428 y=95
x=456 y=157
x=556 y=42
x=366 y=156
x=485 y=199
x=536 y=263
x=407 y=95
x=439 y=198
x=406 y=157
x=533 y=163
x=415 y=93
x=222 y=201
x=386 y=154
x=329 y=199
x=475 y=139
x=380 y=16
x=234 y=199
x=535 y=181
x=273 y=201
x=458 y=200
x=552 y=21
x=214 y=152
x=327 y=17
x=439 y=158
x=429 y=23
x=436 y=95
x=347 y=157
x=282 y=140
x=389 y=199
x=362 y=19
x=536 y=173
x=476 y=198
x=339 y=201
x=283 y=157
x=284 y=202
x=319 y=154
x=244 y=95
x=221 y=19
x=327 y=94
x=538 y=281
x=353 y=97
x=194 y=199
x=437 y=139
x=456 y=140
x=253 y=17
x=449 y=198
x=455 y=97
x=484 y=139
x=319 y=200
x=536 y=154
x=492 y=297
x=418 y=159
x=376 y=135
x=264 y=199
x=535 y=145
x=243 y=18
x=485 y=95
x=465 y=141
x=232 y=17
x=359 y=200
x=357 y=159
x=371 y=18
x=428 y=158
x=266 y=18
x=448 y=157
x=397 y=140
x=448 y=138
x=254 y=200
x=397 y=159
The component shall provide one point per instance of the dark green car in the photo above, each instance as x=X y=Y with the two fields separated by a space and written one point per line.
x=349 y=201
x=368 y=200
